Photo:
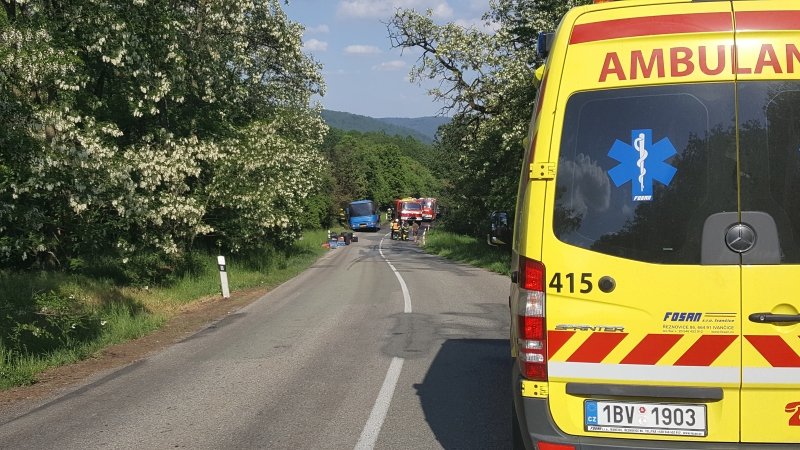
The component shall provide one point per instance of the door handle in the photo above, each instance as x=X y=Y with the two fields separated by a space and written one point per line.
x=763 y=317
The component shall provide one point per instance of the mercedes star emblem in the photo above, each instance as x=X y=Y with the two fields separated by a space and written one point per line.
x=740 y=237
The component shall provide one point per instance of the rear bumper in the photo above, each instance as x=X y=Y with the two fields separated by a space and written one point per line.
x=364 y=226
x=536 y=424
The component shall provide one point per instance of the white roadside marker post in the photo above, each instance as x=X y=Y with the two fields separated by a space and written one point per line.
x=223 y=277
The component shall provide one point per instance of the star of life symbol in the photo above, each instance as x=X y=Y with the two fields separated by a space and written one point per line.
x=641 y=163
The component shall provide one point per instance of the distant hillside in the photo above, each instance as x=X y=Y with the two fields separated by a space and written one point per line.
x=422 y=128
x=425 y=125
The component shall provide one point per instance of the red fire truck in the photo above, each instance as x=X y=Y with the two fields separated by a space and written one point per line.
x=428 y=208
x=408 y=209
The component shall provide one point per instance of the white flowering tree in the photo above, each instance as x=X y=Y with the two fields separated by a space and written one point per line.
x=139 y=125
x=484 y=77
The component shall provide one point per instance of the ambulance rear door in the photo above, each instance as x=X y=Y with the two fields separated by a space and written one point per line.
x=767 y=235
x=644 y=321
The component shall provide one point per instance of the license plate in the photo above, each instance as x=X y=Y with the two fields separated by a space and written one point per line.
x=645 y=418
x=363 y=225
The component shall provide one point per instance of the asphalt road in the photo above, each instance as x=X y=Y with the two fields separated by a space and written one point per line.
x=378 y=345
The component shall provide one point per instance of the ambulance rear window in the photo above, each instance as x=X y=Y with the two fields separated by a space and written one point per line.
x=640 y=170
x=769 y=136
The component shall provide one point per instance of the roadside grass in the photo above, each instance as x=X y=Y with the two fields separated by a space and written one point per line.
x=468 y=250
x=53 y=319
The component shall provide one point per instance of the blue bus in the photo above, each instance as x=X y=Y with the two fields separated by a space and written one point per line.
x=363 y=215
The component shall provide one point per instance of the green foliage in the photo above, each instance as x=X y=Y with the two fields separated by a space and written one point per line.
x=140 y=269
x=428 y=126
x=468 y=250
x=49 y=319
x=486 y=78
x=421 y=129
x=138 y=126
x=378 y=167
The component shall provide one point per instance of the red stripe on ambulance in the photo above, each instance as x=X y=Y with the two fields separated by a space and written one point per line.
x=651 y=26
x=767 y=20
x=556 y=339
x=652 y=348
x=706 y=350
x=596 y=347
x=775 y=350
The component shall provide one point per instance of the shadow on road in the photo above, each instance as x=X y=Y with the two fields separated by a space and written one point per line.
x=466 y=394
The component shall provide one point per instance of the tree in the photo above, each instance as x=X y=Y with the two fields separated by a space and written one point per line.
x=485 y=78
x=378 y=167
x=140 y=125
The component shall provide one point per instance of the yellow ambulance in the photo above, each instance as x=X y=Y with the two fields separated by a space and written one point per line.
x=655 y=294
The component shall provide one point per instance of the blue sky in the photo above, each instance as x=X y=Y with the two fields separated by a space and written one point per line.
x=363 y=74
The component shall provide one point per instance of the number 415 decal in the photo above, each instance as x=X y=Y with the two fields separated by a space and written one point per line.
x=583 y=280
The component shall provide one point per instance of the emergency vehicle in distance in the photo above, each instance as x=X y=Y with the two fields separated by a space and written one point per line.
x=428 y=208
x=408 y=208
x=363 y=215
x=656 y=244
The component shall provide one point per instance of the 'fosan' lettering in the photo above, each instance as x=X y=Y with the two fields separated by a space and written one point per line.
x=678 y=62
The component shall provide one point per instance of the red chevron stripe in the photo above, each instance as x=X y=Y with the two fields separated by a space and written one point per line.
x=652 y=348
x=556 y=339
x=597 y=347
x=706 y=350
x=775 y=350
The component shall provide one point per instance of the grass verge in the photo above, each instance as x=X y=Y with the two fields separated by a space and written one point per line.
x=468 y=250
x=52 y=319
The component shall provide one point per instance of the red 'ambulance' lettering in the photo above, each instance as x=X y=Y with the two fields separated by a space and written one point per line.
x=681 y=58
x=685 y=61
x=656 y=61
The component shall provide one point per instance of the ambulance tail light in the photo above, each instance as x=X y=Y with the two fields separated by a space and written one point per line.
x=549 y=446
x=531 y=326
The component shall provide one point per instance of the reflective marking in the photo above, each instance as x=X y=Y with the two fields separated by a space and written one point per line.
x=651 y=349
x=775 y=350
x=767 y=20
x=706 y=350
x=652 y=26
x=597 y=347
x=369 y=435
x=556 y=339
x=637 y=372
x=773 y=375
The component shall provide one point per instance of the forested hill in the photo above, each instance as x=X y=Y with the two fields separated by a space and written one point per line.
x=420 y=128
x=428 y=125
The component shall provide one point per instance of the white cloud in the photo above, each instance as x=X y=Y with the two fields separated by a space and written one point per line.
x=478 y=24
x=362 y=50
x=370 y=9
x=315 y=45
x=389 y=66
x=479 y=5
x=442 y=11
x=318 y=29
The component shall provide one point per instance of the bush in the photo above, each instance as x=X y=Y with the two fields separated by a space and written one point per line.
x=143 y=269
x=52 y=320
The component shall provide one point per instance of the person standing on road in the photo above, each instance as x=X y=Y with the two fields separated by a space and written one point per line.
x=415 y=230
